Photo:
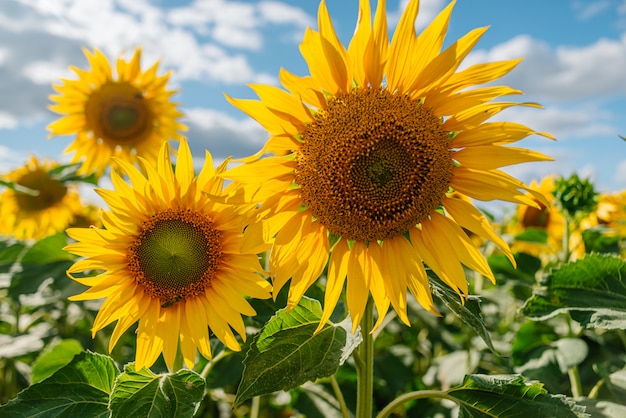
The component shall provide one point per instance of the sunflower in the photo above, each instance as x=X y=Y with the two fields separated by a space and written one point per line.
x=122 y=117
x=367 y=150
x=39 y=205
x=171 y=260
x=546 y=218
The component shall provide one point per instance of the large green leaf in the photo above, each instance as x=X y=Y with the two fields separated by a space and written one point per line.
x=593 y=290
x=510 y=396
x=48 y=250
x=54 y=358
x=80 y=389
x=288 y=353
x=144 y=394
x=468 y=311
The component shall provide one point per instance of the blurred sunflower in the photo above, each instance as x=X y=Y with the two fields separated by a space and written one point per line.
x=544 y=218
x=171 y=259
x=367 y=149
x=610 y=213
x=39 y=205
x=122 y=117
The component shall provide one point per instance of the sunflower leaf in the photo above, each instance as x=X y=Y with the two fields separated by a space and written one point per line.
x=145 y=394
x=288 y=353
x=469 y=312
x=48 y=250
x=79 y=389
x=510 y=396
x=592 y=290
x=69 y=172
x=54 y=358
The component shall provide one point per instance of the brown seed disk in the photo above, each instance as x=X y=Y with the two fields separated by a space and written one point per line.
x=373 y=164
x=47 y=191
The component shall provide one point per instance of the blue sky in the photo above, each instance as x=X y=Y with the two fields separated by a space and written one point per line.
x=575 y=65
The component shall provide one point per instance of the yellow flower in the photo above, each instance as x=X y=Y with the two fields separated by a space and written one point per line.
x=41 y=205
x=171 y=260
x=367 y=149
x=543 y=217
x=122 y=117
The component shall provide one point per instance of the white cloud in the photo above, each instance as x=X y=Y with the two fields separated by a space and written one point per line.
x=563 y=123
x=222 y=134
x=587 y=9
x=427 y=11
x=7 y=121
x=564 y=73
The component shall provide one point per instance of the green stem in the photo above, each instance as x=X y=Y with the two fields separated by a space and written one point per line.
x=339 y=396
x=365 y=373
x=420 y=394
x=255 y=408
x=574 y=379
x=205 y=372
x=593 y=393
x=566 y=238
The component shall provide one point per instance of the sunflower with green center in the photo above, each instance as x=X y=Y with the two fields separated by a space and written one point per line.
x=124 y=117
x=171 y=259
x=367 y=150
x=39 y=205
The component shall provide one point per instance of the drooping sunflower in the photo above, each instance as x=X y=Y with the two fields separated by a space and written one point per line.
x=124 y=117
x=171 y=259
x=367 y=149
x=39 y=205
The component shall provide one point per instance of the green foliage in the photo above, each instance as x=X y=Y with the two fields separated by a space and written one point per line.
x=467 y=311
x=510 y=396
x=592 y=290
x=79 y=389
x=288 y=352
x=145 y=394
x=54 y=358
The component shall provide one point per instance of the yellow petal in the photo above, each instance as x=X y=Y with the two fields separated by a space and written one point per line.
x=488 y=157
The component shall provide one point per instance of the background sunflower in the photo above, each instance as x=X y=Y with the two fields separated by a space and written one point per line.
x=124 y=117
x=38 y=204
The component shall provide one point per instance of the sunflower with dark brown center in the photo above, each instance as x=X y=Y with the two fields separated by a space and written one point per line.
x=171 y=259
x=39 y=204
x=367 y=149
x=125 y=117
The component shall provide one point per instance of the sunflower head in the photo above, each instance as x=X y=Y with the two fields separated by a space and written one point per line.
x=38 y=204
x=122 y=116
x=171 y=259
x=544 y=217
x=369 y=148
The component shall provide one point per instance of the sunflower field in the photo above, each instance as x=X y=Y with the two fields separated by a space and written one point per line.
x=350 y=268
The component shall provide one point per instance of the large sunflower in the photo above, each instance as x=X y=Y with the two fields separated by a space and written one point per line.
x=39 y=204
x=171 y=260
x=124 y=117
x=367 y=150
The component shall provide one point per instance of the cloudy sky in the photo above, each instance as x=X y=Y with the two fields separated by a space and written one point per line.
x=575 y=65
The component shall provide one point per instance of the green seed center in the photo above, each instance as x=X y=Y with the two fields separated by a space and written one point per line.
x=176 y=255
x=123 y=118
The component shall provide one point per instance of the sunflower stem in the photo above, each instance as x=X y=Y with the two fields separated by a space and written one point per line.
x=365 y=371
x=339 y=396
